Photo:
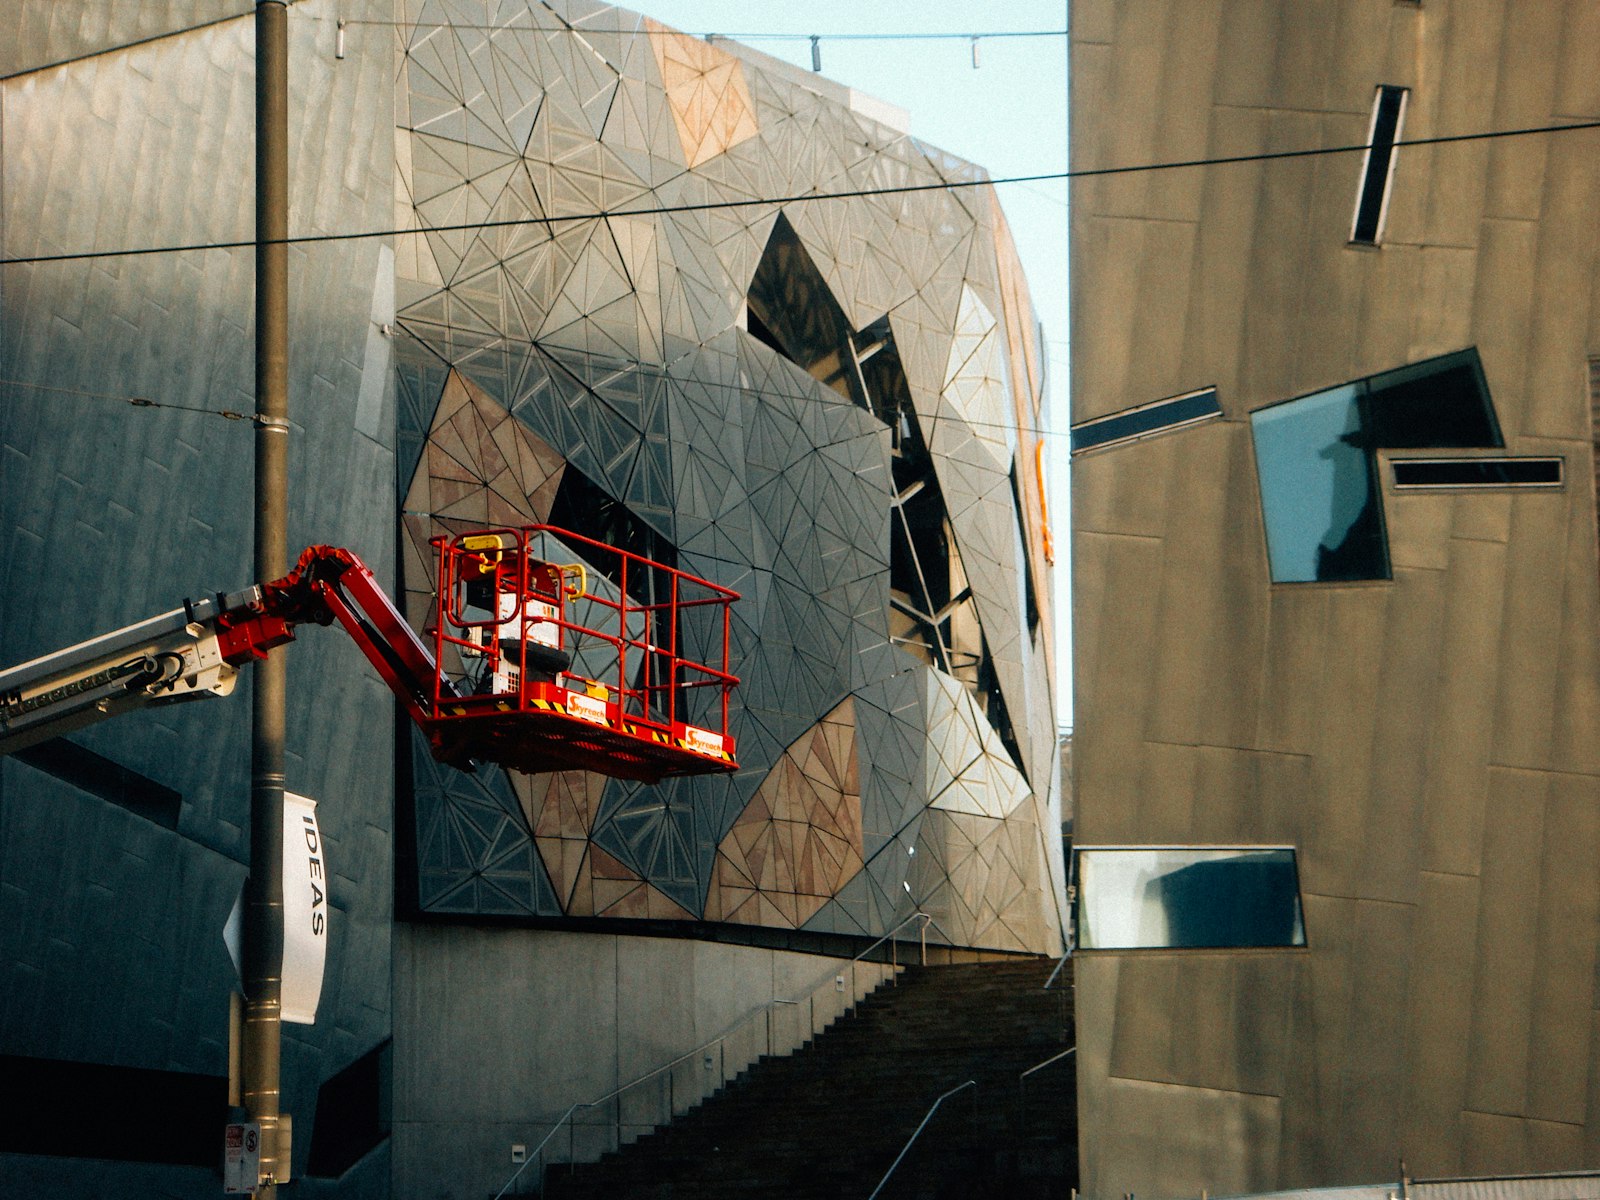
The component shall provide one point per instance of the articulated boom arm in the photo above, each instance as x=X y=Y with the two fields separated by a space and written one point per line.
x=196 y=651
x=331 y=584
x=524 y=650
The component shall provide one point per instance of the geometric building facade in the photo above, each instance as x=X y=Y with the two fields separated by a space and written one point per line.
x=603 y=295
x=831 y=408
x=1337 y=720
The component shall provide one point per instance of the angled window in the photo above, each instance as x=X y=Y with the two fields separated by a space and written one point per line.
x=791 y=308
x=176 y=1117
x=1455 y=474
x=1187 y=897
x=1377 y=165
x=1316 y=460
x=1147 y=420
x=933 y=615
x=352 y=1119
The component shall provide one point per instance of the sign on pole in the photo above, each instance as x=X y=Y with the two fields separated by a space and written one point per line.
x=305 y=909
x=241 y=1159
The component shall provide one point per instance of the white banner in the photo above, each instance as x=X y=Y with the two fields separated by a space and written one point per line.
x=305 y=909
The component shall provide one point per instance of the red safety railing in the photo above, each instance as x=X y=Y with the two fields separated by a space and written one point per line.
x=541 y=665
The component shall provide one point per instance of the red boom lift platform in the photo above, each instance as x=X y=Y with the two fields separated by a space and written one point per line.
x=529 y=665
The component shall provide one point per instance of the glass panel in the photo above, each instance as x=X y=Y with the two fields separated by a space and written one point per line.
x=1186 y=898
x=1387 y=113
x=1142 y=422
x=1318 y=493
x=1318 y=471
x=1437 y=403
x=1477 y=472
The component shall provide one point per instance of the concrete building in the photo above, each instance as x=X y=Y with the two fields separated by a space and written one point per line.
x=592 y=301
x=1335 y=594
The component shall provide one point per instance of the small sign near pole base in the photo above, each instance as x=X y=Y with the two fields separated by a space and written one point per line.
x=241 y=1160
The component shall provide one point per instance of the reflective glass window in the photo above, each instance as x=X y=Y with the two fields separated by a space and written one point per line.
x=1178 y=412
x=1183 y=897
x=1377 y=168
x=1457 y=473
x=1318 y=492
x=1316 y=461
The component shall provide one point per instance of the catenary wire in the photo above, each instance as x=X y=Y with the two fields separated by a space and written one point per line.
x=709 y=35
x=806 y=197
x=402 y=327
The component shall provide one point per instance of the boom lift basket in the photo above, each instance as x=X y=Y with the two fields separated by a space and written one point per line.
x=615 y=664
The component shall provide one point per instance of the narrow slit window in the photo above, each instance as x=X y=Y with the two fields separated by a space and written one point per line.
x=1377 y=167
x=1187 y=897
x=1455 y=473
x=1133 y=424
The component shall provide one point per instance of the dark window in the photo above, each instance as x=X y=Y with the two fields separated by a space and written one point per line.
x=1317 y=466
x=1477 y=472
x=1377 y=166
x=1180 y=897
x=1163 y=416
x=585 y=508
x=1030 y=597
x=99 y=776
x=352 y=1115
x=792 y=309
x=160 y=1116
x=1435 y=403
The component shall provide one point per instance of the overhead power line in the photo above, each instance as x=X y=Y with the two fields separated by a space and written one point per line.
x=888 y=37
x=232 y=415
x=716 y=34
x=809 y=197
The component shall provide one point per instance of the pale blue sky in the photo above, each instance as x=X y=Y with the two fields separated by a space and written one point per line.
x=1009 y=116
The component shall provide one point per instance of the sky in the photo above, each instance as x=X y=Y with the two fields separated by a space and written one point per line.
x=1009 y=115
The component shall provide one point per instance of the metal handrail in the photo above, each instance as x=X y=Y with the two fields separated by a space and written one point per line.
x=971 y=1083
x=1057 y=971
x=766 y=1011
x=1041 y=1066
x=1022 y=1087
x=529 y=1158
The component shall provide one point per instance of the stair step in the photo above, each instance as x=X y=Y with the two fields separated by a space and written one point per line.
x=826 y=1121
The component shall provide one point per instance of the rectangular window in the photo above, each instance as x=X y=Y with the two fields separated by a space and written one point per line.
x=1451 y=473
x=1377 y=166
x=1147 y=420
x=1187 y=897
x=173 y=1117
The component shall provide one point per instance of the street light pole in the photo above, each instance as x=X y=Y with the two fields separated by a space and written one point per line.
x=263 y=909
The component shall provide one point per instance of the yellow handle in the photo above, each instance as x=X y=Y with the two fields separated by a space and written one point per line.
x=582 y=590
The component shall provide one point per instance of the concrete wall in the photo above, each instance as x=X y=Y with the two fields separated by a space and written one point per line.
x=1430 y=743
x=503 y=1029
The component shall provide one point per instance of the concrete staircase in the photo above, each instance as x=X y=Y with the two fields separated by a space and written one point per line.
x=826 y=1122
